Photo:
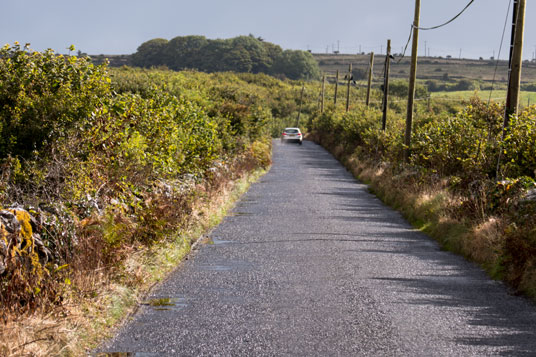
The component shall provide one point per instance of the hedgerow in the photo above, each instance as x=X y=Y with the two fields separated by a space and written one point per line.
x=100 y=161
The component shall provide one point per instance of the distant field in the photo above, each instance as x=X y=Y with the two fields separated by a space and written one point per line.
x=527 y=98
x=428 y=67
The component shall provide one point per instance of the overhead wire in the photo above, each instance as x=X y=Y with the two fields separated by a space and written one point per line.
x=449 y=21
x=407 y=44
x=433 y=27
x=500 y=49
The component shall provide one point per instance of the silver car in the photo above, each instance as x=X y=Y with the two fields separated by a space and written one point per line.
x=292 y=135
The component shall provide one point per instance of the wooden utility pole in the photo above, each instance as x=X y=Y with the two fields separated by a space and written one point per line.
x=322 y=95
x=349 y=77
x=412 y=80
x=386 y=85
x=512 y=37
x=301 y=103
x=514 y=75
x=370 y=73
x=336 y=88
x=516 y=60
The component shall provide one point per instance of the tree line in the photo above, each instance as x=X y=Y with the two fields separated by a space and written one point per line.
x=239 y=54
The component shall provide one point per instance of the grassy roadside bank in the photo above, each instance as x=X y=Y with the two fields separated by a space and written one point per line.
x=498 y=243
x=85 y=320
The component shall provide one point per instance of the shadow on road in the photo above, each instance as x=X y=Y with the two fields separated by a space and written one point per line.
x=513 y=328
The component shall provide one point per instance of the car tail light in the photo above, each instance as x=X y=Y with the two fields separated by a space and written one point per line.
x=299 y=134
x=284 y=134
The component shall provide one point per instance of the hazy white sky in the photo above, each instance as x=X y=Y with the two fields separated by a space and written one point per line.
x=120 y=26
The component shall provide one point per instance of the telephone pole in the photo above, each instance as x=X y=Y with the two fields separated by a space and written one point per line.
x=336 y=88
x=386 y=85
x=348 y=87
x=371 y=68
x=322 y=95
x=301 y=103
x=514 y=72
x=516 y=60
x=412 y=80
x=425 y=48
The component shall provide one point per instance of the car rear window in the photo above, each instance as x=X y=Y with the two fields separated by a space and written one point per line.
x=291 y=131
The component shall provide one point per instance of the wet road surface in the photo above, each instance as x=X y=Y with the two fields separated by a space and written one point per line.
x=311 y=264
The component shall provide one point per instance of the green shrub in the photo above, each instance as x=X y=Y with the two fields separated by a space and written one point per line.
x=463 y=145
x=519 y=147
x=42 y=95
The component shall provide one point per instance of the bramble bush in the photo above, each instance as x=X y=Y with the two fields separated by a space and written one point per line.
x=42 y=95
x=519 y=147
x=116 y=158
x=462 y=145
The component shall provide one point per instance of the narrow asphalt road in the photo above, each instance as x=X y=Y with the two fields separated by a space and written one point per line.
x=311 y=264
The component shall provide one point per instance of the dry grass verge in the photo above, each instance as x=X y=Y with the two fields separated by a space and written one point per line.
x=98 y=301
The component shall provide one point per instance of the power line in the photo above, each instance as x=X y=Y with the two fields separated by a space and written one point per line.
x=500 y=48
x=449 y=21
x=407 y=44
x=432 y=28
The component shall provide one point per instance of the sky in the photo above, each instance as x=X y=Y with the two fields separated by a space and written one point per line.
x=120 y=26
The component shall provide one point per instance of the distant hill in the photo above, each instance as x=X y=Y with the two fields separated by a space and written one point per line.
x=429 y=68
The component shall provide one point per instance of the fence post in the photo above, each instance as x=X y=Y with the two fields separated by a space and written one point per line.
x=386 y=85
x=371 y=71
x=336 y=88
x=349 y=77
x=322 y=95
